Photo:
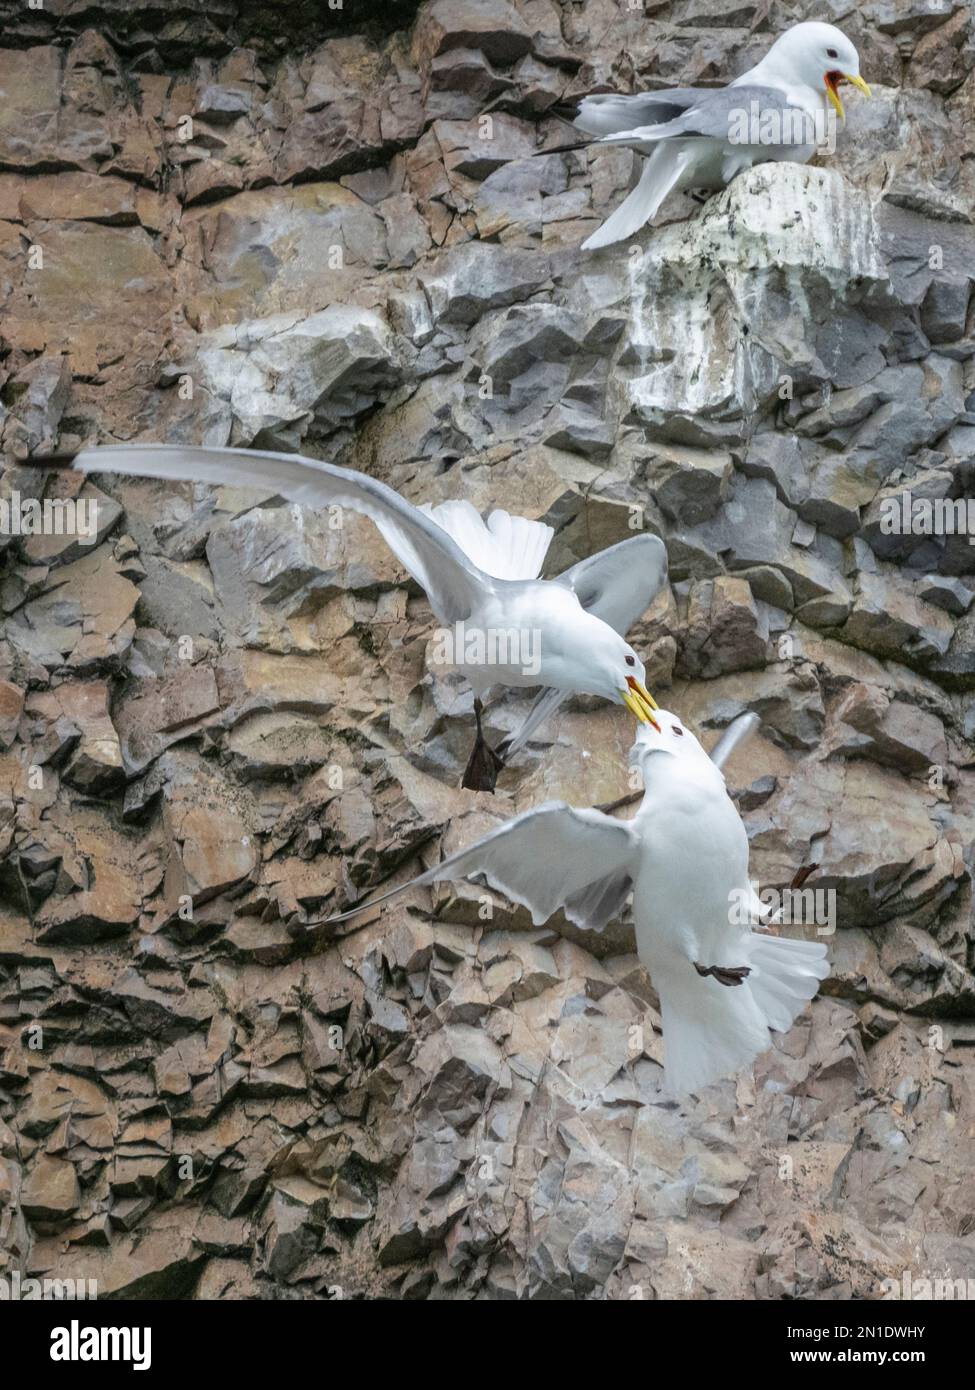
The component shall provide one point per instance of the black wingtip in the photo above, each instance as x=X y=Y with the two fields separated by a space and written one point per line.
x=62 y=461
x=563 y=149
x=565 y=110
x=298 y=931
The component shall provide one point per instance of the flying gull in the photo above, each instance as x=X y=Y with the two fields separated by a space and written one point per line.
x=481 y=578
x=684 y=857
x=701 y=137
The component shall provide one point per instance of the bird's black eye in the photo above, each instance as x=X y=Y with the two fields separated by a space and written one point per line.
x=631 y=661
x=677 y=730
x=831 y=53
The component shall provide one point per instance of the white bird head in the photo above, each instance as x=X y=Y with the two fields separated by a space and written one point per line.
x=670 y=736
x=819 y=56
x=613 y=670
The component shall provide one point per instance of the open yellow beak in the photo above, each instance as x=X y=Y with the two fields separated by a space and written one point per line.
x=639 y=701
x=833 y=80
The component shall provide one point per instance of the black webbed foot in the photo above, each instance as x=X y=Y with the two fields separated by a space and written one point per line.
x=725 y=974
x=484 y=764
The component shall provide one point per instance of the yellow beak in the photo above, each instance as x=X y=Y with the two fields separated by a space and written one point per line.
x=640 y=702
x=833 y=79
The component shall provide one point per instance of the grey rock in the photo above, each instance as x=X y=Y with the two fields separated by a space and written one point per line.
x=493 y=27
x=281 y=374
x=890 y=620
x=945 y=309
x=950 y=594
x=37 y=395
x=474 y=278
x=724 y=629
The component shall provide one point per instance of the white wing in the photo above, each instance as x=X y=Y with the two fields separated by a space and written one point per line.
x=544 y=859
x=617 y=585
x=506 y=546
x=452 y=582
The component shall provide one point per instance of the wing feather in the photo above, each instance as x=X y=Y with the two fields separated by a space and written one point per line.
x=452 y=582
x=605 y=113
x=619 y=584
x=713 y=116
x=541 y=859
x=737 y=732
x=544 y=705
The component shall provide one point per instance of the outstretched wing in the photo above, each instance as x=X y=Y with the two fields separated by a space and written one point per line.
x=452 y=582
x=544 y=859
x=620 y=583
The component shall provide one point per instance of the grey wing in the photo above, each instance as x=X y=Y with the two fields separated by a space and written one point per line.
x=545 y=704
x=719 y=115
x=601 y=902
x=545 y=859
x=737 y=732
x=605 y=113
x=620 y=583
x=452 y=582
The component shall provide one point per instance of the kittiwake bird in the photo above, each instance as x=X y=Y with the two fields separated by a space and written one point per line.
x=563 y=634
x=684 y=856
x=701 y=137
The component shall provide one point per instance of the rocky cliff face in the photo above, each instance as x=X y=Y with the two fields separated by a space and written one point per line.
x=332 y=229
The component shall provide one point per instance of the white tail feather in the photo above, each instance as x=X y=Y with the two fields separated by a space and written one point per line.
x=505 y=546
x=661 y=172
x=713 y=1030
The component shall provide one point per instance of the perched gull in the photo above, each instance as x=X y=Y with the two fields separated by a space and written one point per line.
x=511 y=628
x=700 y=137
x=684 y=856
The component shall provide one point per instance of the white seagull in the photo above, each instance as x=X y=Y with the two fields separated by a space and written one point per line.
x=701 y=137
x=564 y=634
x=684 y=857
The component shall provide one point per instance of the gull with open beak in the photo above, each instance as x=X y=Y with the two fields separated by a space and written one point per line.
x=684 y=857
x=481 y=578
x=700 y=137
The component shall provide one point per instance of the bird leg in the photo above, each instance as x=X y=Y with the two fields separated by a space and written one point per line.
x=725 y=974
x=483 y=766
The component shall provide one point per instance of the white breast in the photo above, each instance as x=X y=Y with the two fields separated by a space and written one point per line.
x=694 y=856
